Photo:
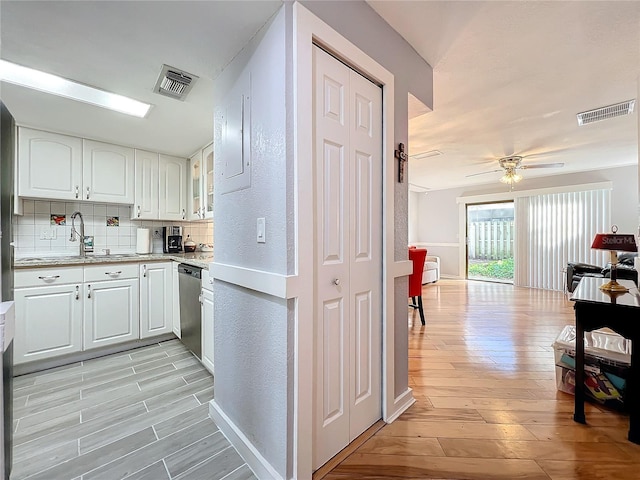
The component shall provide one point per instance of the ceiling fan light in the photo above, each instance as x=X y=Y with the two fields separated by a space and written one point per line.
x=510 y=177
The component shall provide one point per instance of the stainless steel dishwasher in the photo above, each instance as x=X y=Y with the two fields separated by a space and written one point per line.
x=190 y=315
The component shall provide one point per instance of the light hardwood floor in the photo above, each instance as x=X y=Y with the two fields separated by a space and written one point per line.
x=141 y=414
x=482 y=372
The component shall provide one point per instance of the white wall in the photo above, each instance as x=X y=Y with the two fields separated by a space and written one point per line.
x=438 y=211
x=252 y=348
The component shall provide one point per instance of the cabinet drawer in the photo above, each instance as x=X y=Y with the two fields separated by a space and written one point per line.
x=37 y=277
x=111 y=271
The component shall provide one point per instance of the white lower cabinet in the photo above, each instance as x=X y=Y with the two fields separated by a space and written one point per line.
x=176 y=300
x=207 y=329
x=156 y=299
x=48 y=322
x=111 y=312
x=206 y=296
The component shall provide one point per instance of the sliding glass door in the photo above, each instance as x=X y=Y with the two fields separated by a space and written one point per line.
x=490 y=242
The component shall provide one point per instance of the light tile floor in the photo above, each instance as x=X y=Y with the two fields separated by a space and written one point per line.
x=141 y=414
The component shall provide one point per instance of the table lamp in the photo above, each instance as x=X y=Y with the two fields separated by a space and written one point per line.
x=614 y=242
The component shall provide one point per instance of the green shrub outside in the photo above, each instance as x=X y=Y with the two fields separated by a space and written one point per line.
x=494 y=269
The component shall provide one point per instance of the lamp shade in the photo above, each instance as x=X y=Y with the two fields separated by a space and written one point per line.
x=612 y=241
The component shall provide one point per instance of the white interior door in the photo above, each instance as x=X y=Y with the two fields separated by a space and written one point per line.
x=348 y=152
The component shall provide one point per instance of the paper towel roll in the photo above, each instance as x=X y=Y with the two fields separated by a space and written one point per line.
x=143 y=243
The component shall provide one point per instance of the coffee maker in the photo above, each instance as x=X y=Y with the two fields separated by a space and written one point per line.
x=172 y=239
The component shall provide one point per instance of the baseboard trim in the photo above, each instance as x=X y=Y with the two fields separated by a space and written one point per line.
x=257 y=463
x=401 y=404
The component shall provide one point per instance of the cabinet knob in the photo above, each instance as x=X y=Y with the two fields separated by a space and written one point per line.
x=88 y=291
x=336 y=282
x=113 y=274
x=144 y=270
x=77 y=292
x=183 y=213
x=87 y=193
x=77 y=191
x=138 y=211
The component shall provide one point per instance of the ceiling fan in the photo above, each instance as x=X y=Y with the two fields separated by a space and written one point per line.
x=510 y=166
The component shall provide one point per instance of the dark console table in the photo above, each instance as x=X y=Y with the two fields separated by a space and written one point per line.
x=621 y=313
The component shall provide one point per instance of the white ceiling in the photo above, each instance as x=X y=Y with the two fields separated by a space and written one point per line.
x=120 y=47
x=509 y=77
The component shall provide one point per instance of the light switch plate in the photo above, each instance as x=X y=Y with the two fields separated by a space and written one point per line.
x=261 y=230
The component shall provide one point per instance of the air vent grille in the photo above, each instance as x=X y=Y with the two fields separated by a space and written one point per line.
x=604 y=113
x=174 y=83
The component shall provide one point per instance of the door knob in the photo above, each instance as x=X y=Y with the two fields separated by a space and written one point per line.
x=336 y=281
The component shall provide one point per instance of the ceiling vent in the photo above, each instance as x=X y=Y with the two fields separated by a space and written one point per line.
x=174 y=83
x=604 y=113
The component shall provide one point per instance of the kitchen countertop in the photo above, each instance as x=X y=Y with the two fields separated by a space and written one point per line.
x=196 y=259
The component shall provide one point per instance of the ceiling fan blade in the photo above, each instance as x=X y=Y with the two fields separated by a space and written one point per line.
x=483 y=173
x=543 y=165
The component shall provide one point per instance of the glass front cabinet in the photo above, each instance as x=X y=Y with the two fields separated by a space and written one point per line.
x=201 y=184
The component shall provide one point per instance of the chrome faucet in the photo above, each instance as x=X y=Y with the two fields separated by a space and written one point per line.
x=74 y=232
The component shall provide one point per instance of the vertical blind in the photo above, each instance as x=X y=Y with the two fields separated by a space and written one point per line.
x=554 y=229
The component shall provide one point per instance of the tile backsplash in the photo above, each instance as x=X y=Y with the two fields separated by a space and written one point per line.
x=41 y=229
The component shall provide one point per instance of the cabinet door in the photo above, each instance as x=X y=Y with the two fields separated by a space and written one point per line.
x=195 y=186
x=176 y=300
x=173 y=188
x=146 y=186
x=48 y=322
x=207 y=181
x=110 y=312
x=108 y=172
x=49 y=165
x=207 y=329
x=156 y=299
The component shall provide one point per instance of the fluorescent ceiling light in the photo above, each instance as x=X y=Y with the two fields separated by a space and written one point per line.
x=45 y=82
x=430 y=153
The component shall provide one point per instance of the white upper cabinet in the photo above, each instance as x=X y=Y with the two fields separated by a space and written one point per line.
x=201 y=184
x=146 y=202
x=160 y=187
x=173 y=182
x=49 y=165
x=107 y=172
x=195 y=186
x=62 y=167
x=207 y=181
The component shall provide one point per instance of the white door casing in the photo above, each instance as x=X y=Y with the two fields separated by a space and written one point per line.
x=348 y=151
